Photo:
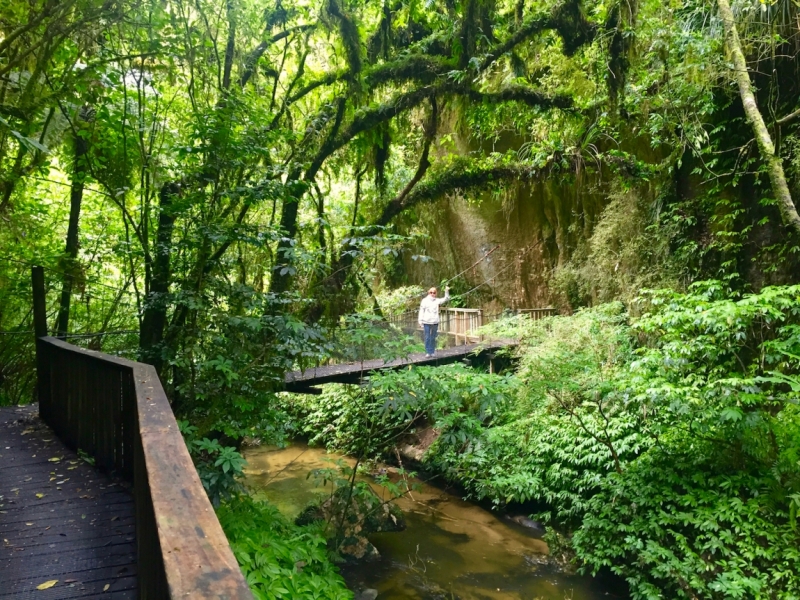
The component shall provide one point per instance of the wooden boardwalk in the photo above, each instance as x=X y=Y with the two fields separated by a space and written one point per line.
x=60 y=519
x=304 y=381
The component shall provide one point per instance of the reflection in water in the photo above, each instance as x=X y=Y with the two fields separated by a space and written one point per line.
x=450 y=549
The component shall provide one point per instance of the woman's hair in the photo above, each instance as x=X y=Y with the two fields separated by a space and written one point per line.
x=433 y=289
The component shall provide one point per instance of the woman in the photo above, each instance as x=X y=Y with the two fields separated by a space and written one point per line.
x=429 y=318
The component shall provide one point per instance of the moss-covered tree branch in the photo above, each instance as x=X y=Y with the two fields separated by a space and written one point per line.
x=519 y=93
x=460 y=175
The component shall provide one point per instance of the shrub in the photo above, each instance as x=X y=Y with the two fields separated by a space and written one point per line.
x=710 y=509
x=280 y=559
x=367 y=421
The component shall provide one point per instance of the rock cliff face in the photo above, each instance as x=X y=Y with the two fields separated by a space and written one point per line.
x=602 y=236
x=537 y=227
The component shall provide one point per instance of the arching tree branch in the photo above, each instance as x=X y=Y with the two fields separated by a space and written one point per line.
x=252 y=59
x=519 y=93
x=460 y=175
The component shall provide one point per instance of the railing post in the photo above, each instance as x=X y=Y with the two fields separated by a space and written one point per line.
x=39 y=302
x=42 y=354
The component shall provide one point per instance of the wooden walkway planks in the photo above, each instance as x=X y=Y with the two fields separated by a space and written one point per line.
x=303 y=381
x=60 y=519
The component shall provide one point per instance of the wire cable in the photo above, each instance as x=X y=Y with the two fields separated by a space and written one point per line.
x=473 y=265
x=63 y=274
x=500 y=272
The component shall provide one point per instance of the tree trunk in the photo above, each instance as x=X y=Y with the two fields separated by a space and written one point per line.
x=71 y=252
x=154 y=319
x=284 y=261
x=777 y=177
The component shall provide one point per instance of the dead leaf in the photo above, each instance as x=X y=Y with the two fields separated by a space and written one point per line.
x=40 y=496
x=47 y=584
x=55 y=459
x=106 y=586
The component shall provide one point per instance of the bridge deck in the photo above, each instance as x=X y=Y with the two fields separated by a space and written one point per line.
x=304 y=381
x=60 y=519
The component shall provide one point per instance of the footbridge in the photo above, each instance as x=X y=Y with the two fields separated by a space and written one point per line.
x=461 y=328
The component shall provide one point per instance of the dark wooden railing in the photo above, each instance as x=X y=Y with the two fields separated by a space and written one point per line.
x=116 y=411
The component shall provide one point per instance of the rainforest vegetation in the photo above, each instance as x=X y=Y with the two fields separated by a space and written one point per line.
x=230 y=190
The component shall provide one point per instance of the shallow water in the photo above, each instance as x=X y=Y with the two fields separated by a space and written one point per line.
x=450 y=548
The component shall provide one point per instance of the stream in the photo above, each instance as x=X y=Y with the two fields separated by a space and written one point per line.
x=450 y=549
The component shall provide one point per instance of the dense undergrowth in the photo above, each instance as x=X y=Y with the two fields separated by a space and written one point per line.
x=664 y=446
x=280 y=559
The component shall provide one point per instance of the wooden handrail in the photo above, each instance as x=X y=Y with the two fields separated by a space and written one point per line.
x=538 y=313
x=116 y=410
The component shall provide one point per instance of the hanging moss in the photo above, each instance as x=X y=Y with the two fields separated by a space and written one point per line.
x=620 y=21
x=469 y=26
x=381 y=41
x=573 y=26
x=524 y=94
x=278 y=16
x=411 y=32
x=348 y=31
x=380 y=155
x=487 y=12
x=476 y=24
x=518 y=66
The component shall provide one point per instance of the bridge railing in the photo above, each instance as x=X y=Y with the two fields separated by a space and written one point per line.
x=116 y=411
x=461 y=324
x=537 y=314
